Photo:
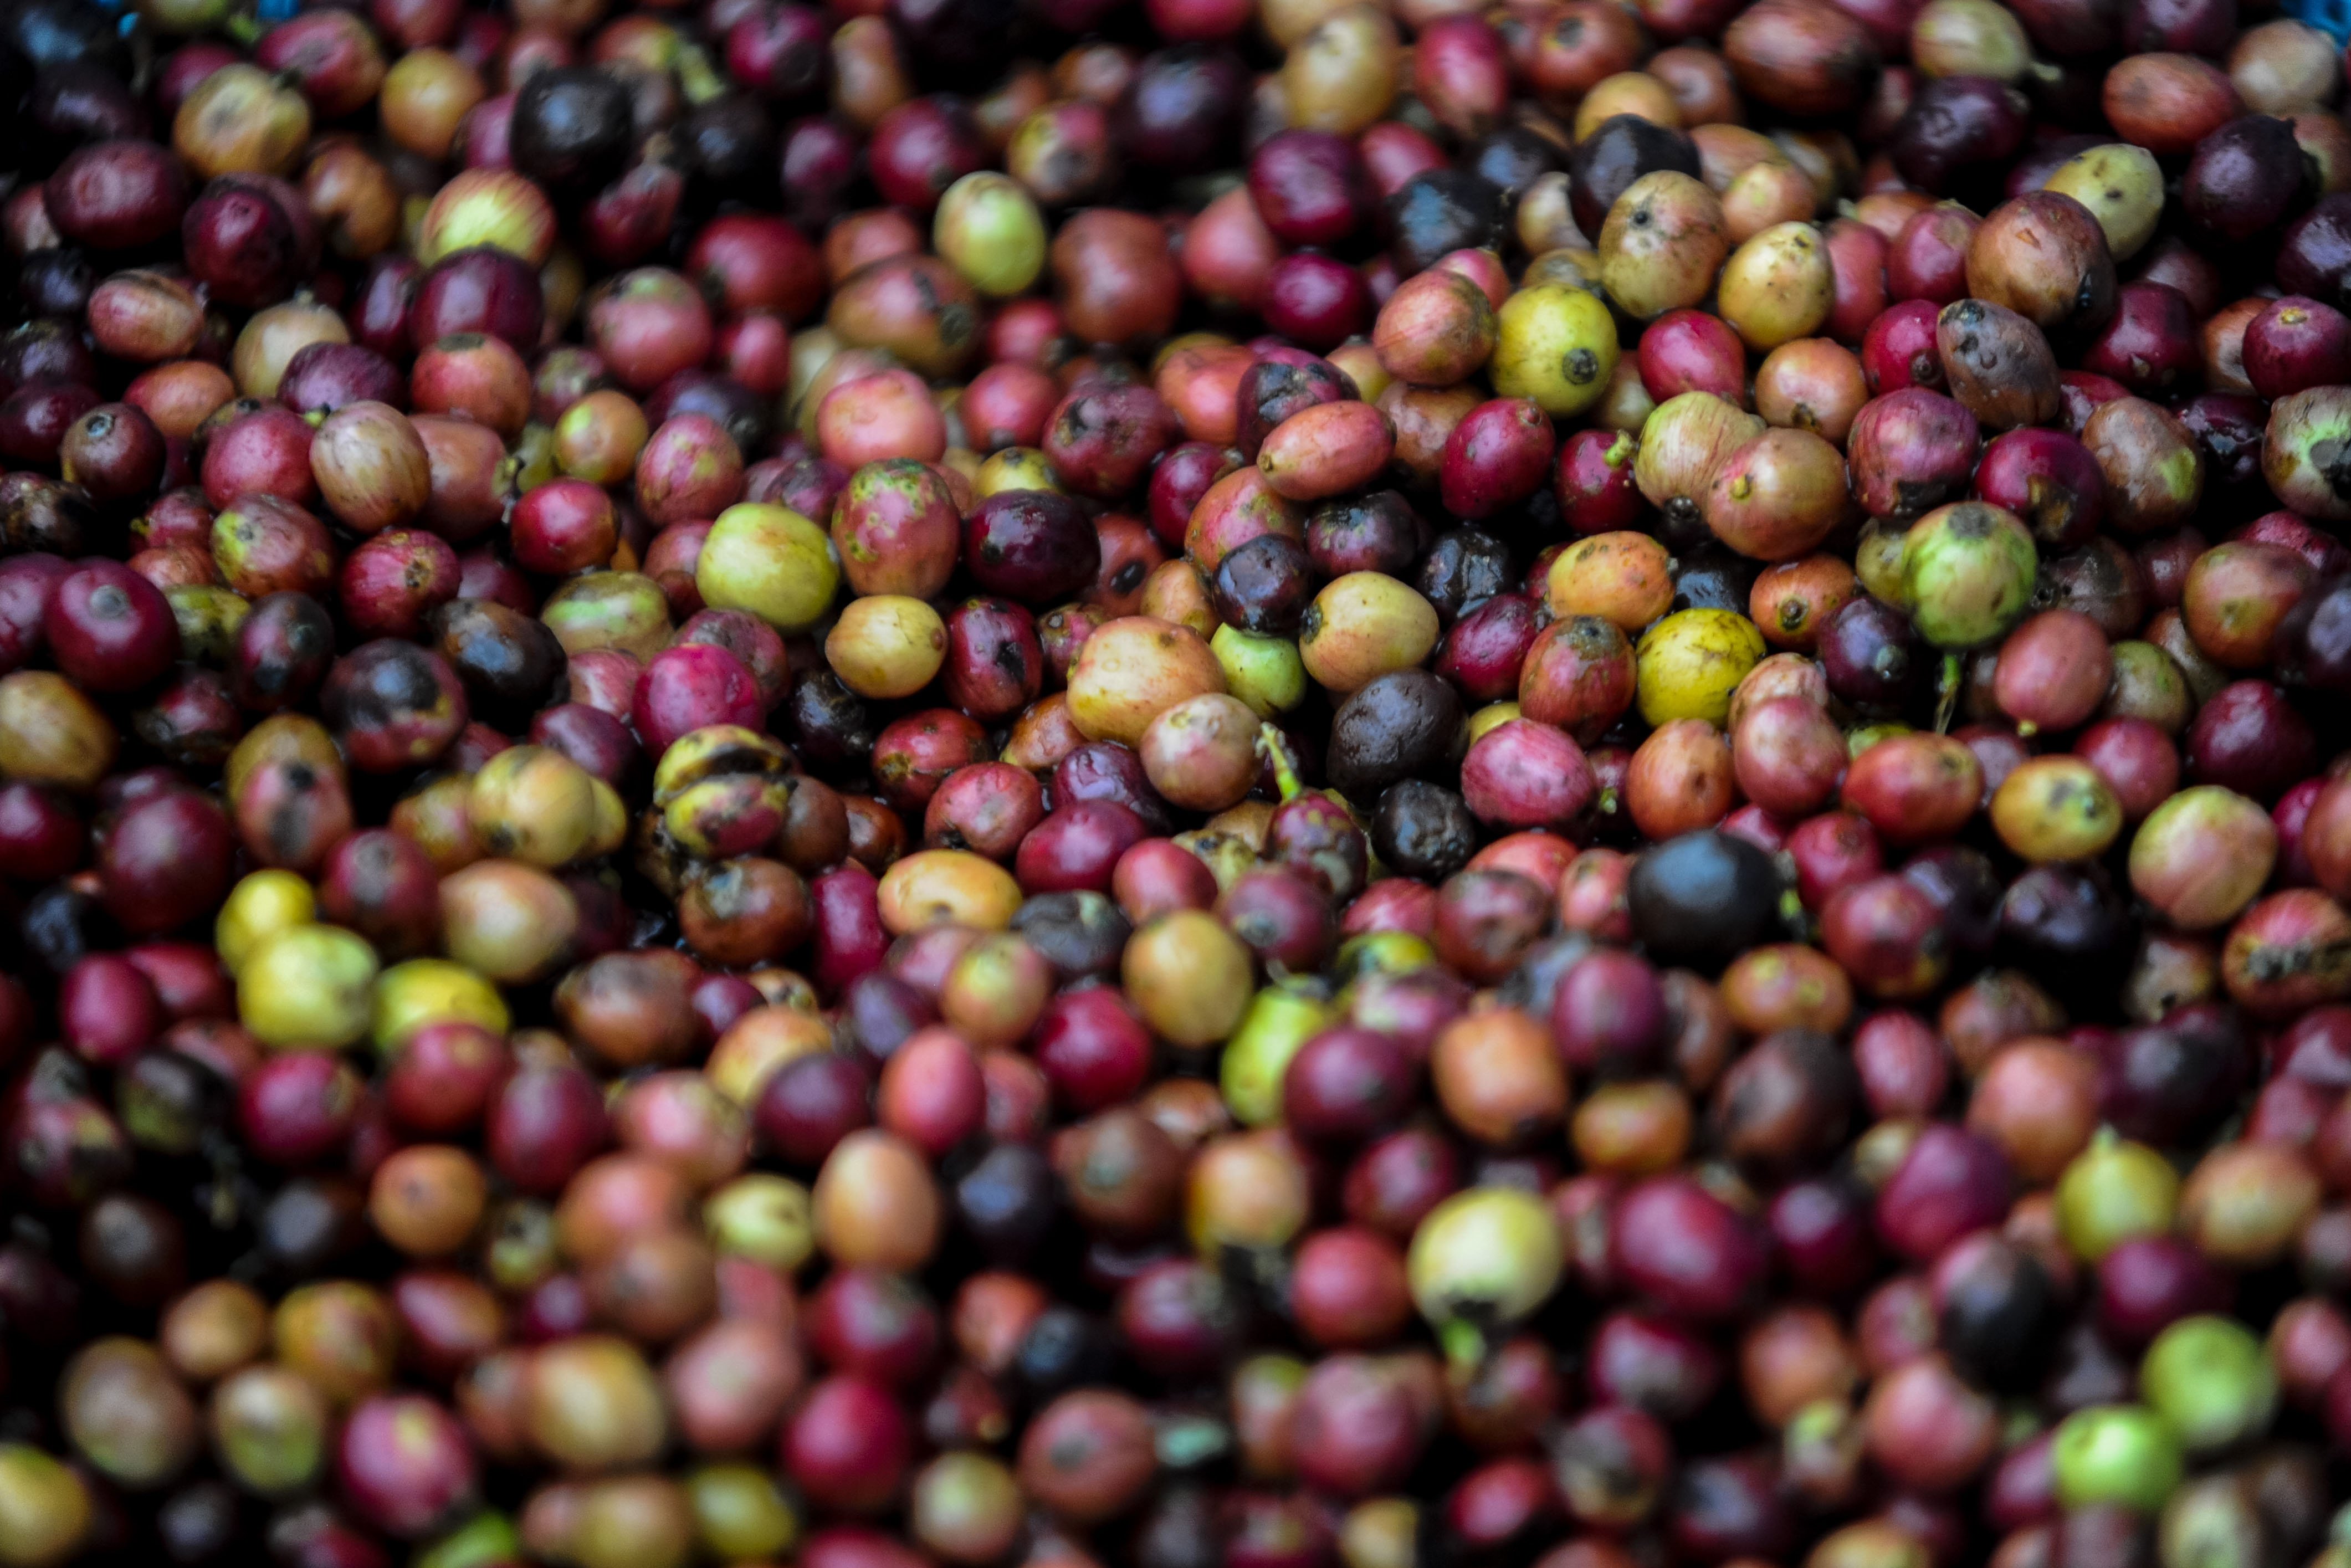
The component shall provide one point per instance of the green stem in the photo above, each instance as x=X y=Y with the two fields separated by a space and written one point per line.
x=1946 y=692
x=1275 y=750
x=1463 y=1342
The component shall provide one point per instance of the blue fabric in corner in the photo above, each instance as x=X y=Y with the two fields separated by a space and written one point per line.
x=2334 y=15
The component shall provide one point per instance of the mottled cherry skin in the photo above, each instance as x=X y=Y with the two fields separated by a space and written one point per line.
x=1522 y=773
x=896 y=526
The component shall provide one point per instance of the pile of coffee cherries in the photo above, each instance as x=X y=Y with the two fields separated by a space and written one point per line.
x=1175 y=784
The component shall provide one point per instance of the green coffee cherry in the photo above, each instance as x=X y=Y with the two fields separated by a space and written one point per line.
x=307 y=987
x=482 y=1541
x=1266 y=673
x=989 y=230
x=1279 y=1019
x=2113 y=1191
x=1556 y=345
x=1968 y=571
x=1480 y=1262
x=2124 y=1454
x=2212 y=1380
